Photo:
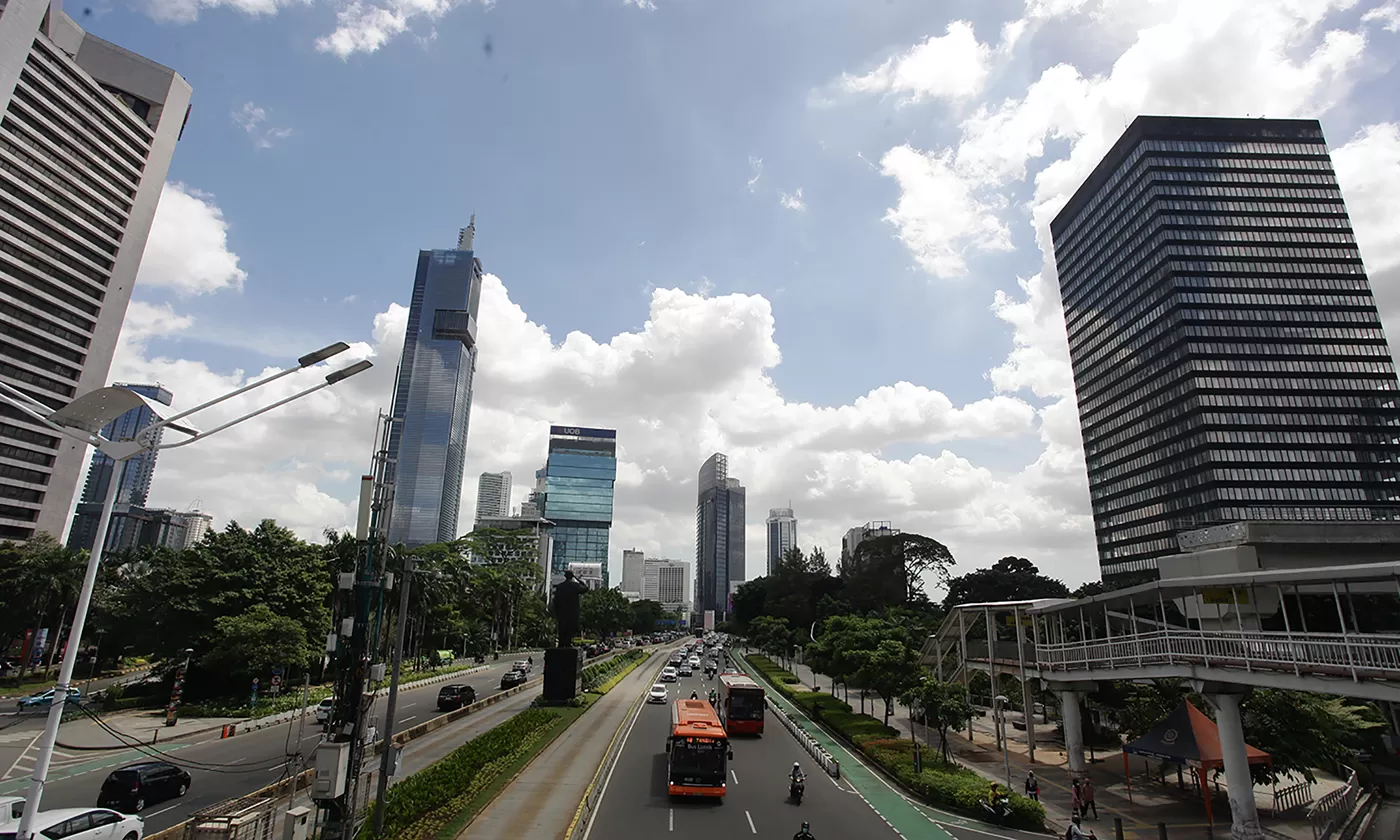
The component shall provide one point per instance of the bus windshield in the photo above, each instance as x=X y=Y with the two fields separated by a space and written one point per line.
x=698 y=760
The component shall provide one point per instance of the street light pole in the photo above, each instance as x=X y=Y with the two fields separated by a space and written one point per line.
x=386 y=758
x=83 y=419
x=1001 y=702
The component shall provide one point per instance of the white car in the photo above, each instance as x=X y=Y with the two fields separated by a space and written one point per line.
x=82 y=824
x=695 y=662
x=11 y=809
x=522 y=665
x=657 y=694
x=668 y=674
x=324 y=709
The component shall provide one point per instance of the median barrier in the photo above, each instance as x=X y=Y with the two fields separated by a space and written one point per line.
x=825 y=760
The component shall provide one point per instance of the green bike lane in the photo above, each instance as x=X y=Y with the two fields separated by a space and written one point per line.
x=910 y=819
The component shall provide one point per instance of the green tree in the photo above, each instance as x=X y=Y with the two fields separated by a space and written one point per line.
x=1009 y=579
x=254 y=641
x=749 y=600
x=493 y=545
x=942 y=705
x=647 y=616
x=1302 y=731
x=892 y=570
x=605 y=612
x=42 y=579
x=890 y=670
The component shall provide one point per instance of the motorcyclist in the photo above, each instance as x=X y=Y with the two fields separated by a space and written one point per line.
x=796 y=774
x=995 y=796
x=714 y=697
x=694 y=695
x=803 y=834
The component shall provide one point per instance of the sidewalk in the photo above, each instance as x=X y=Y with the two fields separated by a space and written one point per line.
x=144 y=726
x=1151 y=802
x=540 y=802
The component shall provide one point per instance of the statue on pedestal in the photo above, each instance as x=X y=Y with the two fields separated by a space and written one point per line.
x=567 y=594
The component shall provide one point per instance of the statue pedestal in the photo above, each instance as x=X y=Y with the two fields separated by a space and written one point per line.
x=563 y=674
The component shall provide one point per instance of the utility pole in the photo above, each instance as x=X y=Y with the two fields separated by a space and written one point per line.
x=386 y=759
x=353 y=656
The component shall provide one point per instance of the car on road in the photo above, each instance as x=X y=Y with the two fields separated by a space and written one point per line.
x=695 y=662
x=131 y=788
x=11 y=809
x=657 y=694
x=452 y=697
x=668 y=674
x=685 y=670
x=81 y=824
x=324 y=709
x=45 y=698
x=522 y=665
x=510 y=679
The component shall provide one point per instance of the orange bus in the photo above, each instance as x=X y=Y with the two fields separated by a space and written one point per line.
x=740 y=704
x=697 y=751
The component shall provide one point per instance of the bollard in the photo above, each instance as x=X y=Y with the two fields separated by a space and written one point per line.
x=1117 y=828
x=1162 y=831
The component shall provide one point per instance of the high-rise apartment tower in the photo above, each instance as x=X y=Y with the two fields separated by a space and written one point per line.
x=1228 y=356
x=719 y=535
x=782 y=535
x=493 y=495
x=86 y=137
x=134 y=482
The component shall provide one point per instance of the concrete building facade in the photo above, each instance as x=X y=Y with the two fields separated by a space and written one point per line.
x=492 y=495
x=86 y=139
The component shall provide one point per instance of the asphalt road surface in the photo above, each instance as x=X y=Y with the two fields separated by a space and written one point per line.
x=227 y=768
x=635 y=802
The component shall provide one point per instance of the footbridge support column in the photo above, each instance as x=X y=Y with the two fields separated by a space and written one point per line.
x=1244 y=816
x=1074 y=729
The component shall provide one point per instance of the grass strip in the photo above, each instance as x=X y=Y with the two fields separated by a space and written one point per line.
x=628 y=667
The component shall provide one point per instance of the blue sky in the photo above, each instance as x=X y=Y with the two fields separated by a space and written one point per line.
x=612 y=150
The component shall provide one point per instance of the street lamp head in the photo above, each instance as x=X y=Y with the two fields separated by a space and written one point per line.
x=321 y=355
x=346 y=373
x=95 y=409
x=1001 y=698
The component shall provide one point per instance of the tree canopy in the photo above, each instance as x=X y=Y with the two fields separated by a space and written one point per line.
x=1008 y=579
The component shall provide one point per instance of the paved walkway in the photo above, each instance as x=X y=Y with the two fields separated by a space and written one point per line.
x=540 y=803
x=1181 y=810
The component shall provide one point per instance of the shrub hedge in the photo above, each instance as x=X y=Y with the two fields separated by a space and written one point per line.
x=420 y=805
x=945 y=786
x=600 y=674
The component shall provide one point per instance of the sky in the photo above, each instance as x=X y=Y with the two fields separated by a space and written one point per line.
x=811 y=234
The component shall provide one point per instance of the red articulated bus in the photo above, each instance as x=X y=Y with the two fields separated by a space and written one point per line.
x=740 y=704
x=698 y=751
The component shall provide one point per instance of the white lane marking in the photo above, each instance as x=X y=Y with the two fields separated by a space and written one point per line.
x=735 y=776
x=603 y=792
x=750 y=816
x=407 y=719
x=947 y=826
x=671 y=820
x=24 y=754
x=161 y=811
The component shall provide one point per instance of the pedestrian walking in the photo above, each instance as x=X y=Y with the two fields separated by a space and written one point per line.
x=1032 y=786
x=1076 y=799
x=1086 y=793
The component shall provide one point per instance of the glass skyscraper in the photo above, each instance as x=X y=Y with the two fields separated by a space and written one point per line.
x=433 y=395
x=782 y=535
x=578 y=496
x=1228 y=356
x=719 y=535
x=134 y=483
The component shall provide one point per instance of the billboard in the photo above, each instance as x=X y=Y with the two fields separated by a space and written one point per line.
x=709 y=619
x=583 y=431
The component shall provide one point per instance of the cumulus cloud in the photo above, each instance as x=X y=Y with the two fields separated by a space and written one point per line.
x=952 y=66
x=938 y=218
x=1368 y=170
x=253 y=119
x=792 y=200
x=188 y=250
x=1386 y=15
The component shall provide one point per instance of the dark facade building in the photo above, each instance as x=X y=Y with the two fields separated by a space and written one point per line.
x=134 y=481
x=578 y=496
x=433 y=395
x=1228 y=356
x=719 y=536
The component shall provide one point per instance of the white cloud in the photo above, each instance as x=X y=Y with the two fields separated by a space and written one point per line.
x=188 y=247
x=756 y=170
x=1368 y=170
x=938 y=217
x=365 y=27
x=252 y=118
x=644 y=5
x=951 y=66
x=187 y=11
x=792 y=200
x=1387 y=15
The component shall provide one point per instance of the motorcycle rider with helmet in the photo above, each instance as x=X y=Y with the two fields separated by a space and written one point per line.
x=803 y=834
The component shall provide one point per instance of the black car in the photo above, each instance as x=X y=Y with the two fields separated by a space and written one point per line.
x=513 y=678
x=133 y=787
x=452 y=697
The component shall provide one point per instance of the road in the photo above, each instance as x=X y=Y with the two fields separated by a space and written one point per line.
x=227 y=768
x=635 y=802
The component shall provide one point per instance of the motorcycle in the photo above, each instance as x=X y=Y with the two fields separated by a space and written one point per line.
x=796 y=789
x=1001 y=810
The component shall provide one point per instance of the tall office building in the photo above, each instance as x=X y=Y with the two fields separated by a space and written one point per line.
x=86 y=138
x=633 y=565
x=782 y=535
x=665 y=582
x=133 y=484
x=719 y=535
x=493 y=495
x=1228 y=357
x=433 y=395
x=197 y=527
x=578 y=495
